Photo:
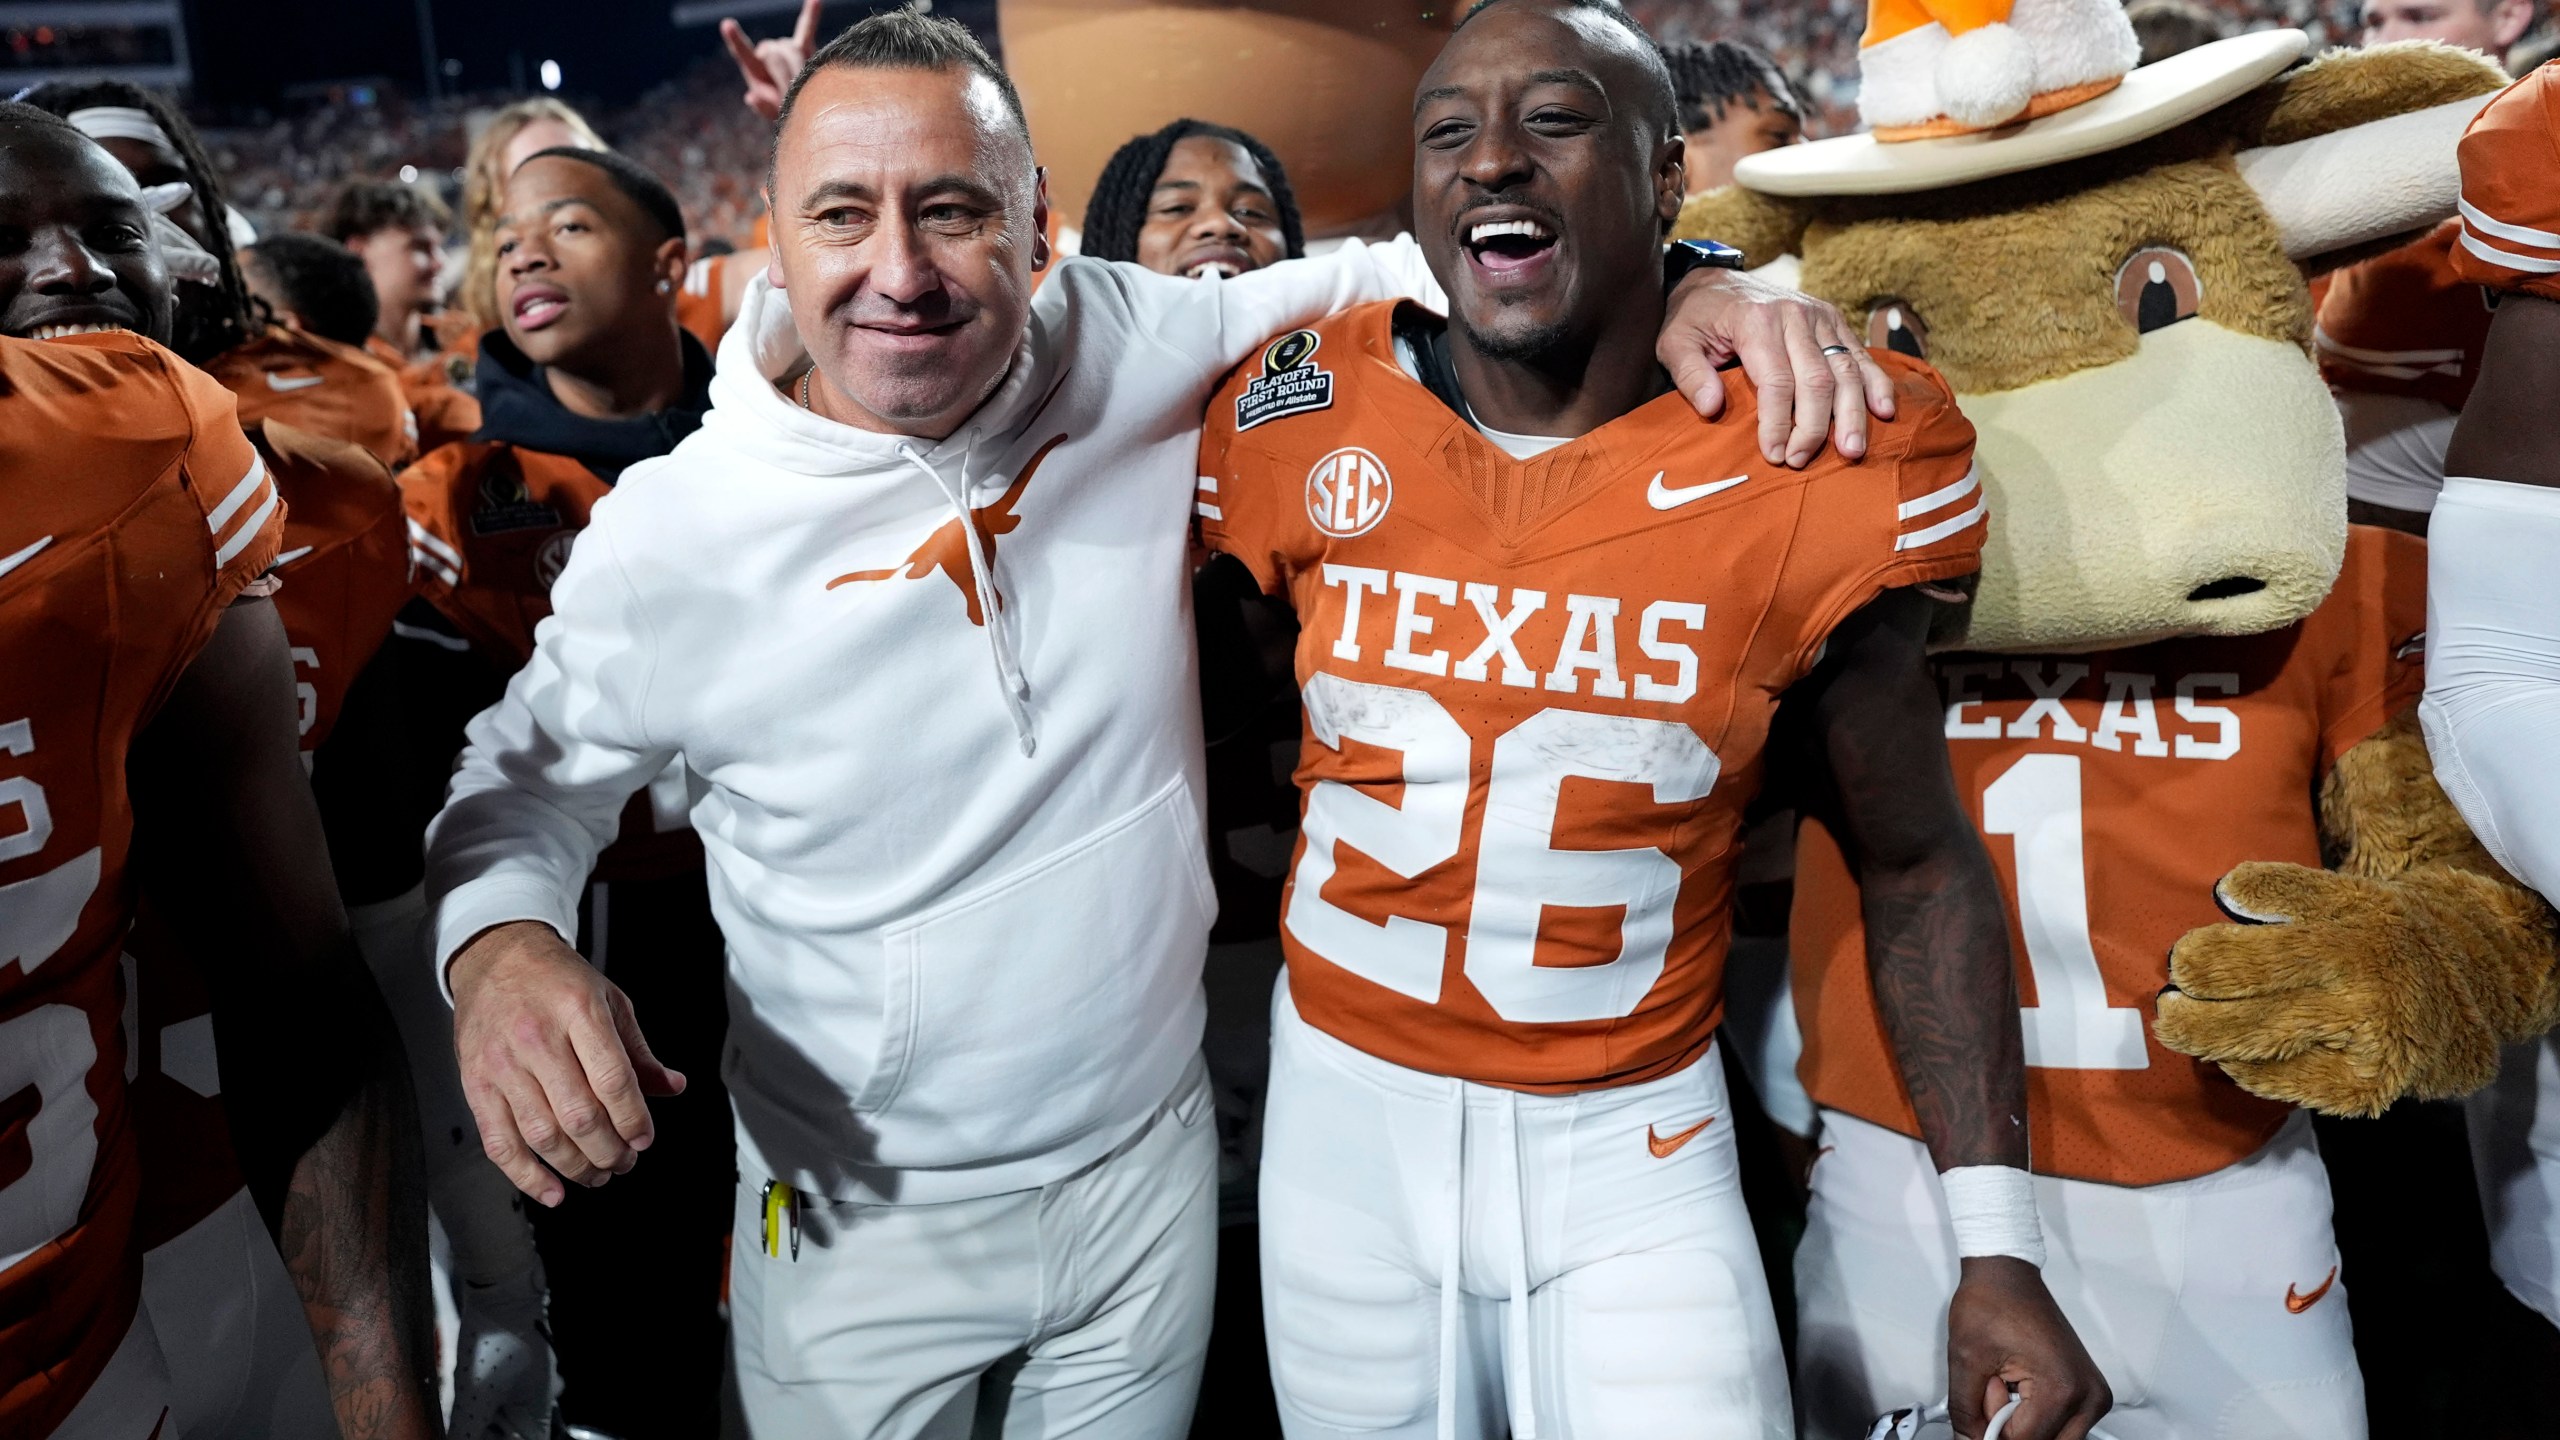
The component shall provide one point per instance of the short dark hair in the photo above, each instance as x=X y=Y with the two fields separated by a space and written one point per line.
x=899 y=40
x=1665 y=105
x=1706 y=78
x=204 y=326
x=322 y=281
x=363 y=207
x=631 y=178
x=1118 y=209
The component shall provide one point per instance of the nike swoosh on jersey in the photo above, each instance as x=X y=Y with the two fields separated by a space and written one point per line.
x=294 y=382
x=290 y=556
x=12 y=562
x=1672 y=497
x=1662 y=1146
x=2298 y=1303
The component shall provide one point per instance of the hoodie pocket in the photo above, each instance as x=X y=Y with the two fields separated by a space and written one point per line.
x=1026 y=1012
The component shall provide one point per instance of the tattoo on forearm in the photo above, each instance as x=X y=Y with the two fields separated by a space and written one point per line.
x=353 y=1236
x=1938 y=957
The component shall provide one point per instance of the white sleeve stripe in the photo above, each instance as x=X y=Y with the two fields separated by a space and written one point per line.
x=1941 y=499
x=454 y=643
x=1209 y=511
x=420 y=535
x=2329 y=345
x=241 y=492
x=2489 y=224
x=2508 y=259
x=247 y=532
x=1942 y=529
x=2402 y=372
x=697 y=278
x=435 y=567
x=1209 y=483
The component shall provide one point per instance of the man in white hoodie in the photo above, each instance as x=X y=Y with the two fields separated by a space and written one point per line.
x=911 y=609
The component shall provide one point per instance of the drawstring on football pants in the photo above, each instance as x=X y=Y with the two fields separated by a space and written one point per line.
x=1010 y=678
x=1519 y=1381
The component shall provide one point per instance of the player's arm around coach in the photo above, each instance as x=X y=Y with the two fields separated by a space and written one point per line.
x=908 y=217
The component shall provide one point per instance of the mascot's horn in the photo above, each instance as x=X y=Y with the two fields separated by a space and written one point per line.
x=2363 y=183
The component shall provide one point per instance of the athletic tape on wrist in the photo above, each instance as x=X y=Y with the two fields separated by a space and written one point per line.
x=1993 y=1208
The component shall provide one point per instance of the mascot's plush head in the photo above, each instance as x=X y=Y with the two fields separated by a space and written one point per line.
x=2116 y=292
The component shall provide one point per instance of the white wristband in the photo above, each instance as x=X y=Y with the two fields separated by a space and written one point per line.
x=1993 y=1209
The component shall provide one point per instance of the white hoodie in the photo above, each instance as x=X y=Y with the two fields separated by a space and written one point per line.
x=959 y=867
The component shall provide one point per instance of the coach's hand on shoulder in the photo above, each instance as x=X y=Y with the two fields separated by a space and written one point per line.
x=2005 y=1333
x=553 y=1063
x=1810 y=370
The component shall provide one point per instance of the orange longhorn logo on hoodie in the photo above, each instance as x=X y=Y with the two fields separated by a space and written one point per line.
x=947 y=550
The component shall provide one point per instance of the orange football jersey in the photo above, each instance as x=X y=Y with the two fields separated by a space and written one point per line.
x=345 y=568
x=2510 y=205
x=445 y=411
x=2114 y=790
x=700 y=306
x=490 y=527
x=1537 y=693
x=2404 y=323
x=323 y=387
x=132 y=511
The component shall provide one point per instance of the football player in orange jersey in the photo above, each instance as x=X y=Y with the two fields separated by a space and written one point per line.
x=181 y=779
x=1548 y=618
x=591 y=373
x=2493 y=683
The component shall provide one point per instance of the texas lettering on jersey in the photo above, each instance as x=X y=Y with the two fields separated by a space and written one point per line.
x=2113 y=790
x=1536 y=697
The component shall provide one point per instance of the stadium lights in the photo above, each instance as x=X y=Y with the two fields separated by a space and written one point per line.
x=550 y=74
x=408 y=174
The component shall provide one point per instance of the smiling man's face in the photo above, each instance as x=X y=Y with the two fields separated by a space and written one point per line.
x=76 y=252
x=906 y=223
x=1540 y=186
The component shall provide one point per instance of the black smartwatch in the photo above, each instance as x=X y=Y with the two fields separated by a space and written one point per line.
x=1682 y=256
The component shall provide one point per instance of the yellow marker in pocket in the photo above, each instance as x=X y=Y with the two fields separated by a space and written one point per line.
x=781 y=1208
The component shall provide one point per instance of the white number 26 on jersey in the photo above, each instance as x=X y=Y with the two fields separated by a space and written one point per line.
x=1519 y=871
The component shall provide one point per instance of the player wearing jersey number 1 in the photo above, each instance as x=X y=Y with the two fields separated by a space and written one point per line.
x=1549 y=615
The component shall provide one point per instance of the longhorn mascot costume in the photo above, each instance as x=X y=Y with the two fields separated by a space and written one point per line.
x=2181 y=709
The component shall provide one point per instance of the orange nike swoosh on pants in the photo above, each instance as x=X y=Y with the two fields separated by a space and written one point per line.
x=2299 y=1303
x=1662 y=1147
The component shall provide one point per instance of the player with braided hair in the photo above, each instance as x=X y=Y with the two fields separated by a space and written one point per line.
x=1734 y=101
x=150 y=138
x=1191 y=199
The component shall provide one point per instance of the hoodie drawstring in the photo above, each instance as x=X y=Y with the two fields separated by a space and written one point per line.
x=1010 y=679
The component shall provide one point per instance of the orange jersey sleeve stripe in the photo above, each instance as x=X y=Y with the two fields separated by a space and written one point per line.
x=2510 y=208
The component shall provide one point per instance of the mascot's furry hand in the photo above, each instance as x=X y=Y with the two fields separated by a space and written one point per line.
x=2344 y=993
x=2400 y=973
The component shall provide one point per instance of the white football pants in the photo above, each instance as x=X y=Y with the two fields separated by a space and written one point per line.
x=2213 y=1306
x=130 y=1399
x=242 y=1362
x=2515 y=1151
x=1077 y=1309
x=1444 y=1258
